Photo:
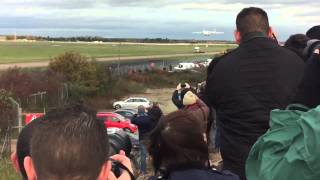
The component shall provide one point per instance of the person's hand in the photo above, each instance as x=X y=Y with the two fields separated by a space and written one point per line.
x=317 y=51
x=123 y=159
x=179 y=87
x=187 y=86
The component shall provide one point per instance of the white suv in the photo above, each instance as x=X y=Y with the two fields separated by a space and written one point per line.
x=132 y=103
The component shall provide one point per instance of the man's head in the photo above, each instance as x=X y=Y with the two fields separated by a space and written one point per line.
x=69 y=144
x=297 y=43
x=250 y=20
x=141 y=110
x=314 y=32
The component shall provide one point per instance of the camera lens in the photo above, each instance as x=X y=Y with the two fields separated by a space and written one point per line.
x=119 y=141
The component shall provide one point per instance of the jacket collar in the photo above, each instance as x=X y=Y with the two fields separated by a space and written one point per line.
x=252 y=35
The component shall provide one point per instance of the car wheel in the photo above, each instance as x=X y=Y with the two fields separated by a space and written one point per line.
x=127 y=130
x=117 y=106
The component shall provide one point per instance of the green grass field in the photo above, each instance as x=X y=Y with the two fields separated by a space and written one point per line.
x=15 y=52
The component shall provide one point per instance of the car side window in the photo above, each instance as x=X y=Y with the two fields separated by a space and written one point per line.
x=114 y=119
x=130 y=100
x=121 y=112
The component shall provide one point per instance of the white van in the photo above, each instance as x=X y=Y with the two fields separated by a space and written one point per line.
x=184 y=66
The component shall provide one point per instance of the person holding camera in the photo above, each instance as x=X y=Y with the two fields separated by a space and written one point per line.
x=70 y=144
x=177 y=95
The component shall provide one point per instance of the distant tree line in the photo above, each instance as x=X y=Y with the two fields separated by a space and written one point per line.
x=103 y=39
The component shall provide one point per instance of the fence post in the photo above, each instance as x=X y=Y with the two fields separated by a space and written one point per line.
x=20 y=118
x=18 y=113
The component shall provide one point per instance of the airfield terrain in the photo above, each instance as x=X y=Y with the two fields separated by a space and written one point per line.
x=26 y=52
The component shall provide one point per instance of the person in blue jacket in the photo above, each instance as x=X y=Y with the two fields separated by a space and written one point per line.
x=145 y=125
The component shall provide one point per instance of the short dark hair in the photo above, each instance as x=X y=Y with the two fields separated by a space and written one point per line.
x=178 y=141
x=297 y=43
x=23 y=144
x=314 y=32
x=69 y=144
x=252 y=19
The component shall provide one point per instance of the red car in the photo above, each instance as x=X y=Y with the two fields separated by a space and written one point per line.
x=112 y=120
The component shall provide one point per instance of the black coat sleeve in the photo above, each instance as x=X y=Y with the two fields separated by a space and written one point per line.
x=308 y=92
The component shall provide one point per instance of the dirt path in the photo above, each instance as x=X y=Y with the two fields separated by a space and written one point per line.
x=163 y=96
x=45 y=63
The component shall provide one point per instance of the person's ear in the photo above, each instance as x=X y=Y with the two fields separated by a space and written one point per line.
x=270 y=33
x=29 y=167
x=105 y=170
x=15 y=162
x=237 y=36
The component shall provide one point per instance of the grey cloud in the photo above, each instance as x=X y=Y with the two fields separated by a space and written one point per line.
x=79 y=4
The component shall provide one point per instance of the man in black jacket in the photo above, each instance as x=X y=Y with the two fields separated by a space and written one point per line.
x=247 y=83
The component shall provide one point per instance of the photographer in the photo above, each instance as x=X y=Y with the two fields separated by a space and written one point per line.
x=70 y=144
x=177 y=96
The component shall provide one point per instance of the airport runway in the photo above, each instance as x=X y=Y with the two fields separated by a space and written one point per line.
x=133 y=58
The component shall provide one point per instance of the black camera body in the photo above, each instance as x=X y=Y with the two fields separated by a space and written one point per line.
x=311 y=46
x=119 y=140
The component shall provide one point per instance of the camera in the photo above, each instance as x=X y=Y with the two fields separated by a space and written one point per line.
x=311 y=46
x=120 y=140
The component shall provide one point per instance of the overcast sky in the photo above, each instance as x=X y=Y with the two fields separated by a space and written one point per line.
x=175 y=19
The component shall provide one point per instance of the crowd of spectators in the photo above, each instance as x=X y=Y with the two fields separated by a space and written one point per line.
x=242 y=87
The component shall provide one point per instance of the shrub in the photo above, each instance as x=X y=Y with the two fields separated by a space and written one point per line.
x=6 y=111
x=78 y=72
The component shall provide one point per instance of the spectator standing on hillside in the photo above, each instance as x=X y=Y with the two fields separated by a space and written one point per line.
x=177 y=95
x=145 y=125
x=248 y=82
x=197 y=107
x=155 y=114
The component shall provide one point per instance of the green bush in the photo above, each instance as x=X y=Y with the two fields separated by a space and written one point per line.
x=79 y=73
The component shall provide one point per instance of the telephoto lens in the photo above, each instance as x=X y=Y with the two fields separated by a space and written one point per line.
x=119 y=140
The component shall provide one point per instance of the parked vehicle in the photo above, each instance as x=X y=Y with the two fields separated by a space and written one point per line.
x=184 y=66
x=114 y=120
x=127 y=113
x=207 y=62
x=132 y=103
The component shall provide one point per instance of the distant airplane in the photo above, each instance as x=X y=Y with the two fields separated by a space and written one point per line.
x=208 y=33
